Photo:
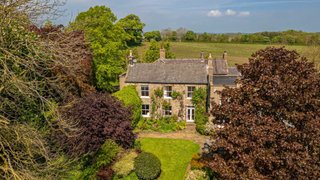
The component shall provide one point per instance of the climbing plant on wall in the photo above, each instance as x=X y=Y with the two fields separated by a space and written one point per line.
x=199 y=97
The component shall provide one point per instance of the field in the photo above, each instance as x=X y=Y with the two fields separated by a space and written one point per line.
x=237 y=53
x=174 y=154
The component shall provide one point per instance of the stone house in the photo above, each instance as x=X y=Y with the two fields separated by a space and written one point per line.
x=178 y=75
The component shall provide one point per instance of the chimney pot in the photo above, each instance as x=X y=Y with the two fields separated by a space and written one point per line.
x=210 y=55
x=202 y=56
x=225 y=55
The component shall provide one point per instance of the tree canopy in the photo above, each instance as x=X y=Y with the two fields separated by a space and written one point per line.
x=190 y=36
x=107 y=40
x=272 y=122
x=153 y=52
x=133 y=27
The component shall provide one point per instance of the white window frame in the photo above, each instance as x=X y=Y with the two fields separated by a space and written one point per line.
x=145 y=109
x=192 y=114
x=193 y=88
x=167 y=110
x=165 y=92
x=144 y=91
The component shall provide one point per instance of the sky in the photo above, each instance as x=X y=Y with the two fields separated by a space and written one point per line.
x=211 y=16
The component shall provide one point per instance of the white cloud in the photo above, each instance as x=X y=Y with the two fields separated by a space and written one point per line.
x=230 y=12
x=244 y=14
x=214 y=13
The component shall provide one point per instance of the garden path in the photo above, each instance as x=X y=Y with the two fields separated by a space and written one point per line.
x=189 y=133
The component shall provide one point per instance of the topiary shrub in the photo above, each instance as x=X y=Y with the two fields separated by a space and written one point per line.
x=125 y=165
x=147 y=166
x=131 y=99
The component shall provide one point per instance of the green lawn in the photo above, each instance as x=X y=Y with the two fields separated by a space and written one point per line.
x=237 y=53
x=174 y=154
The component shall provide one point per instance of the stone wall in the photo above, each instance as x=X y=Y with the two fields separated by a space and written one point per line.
x=175 y=103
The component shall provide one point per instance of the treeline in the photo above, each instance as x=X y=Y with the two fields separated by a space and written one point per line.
x=290 y=37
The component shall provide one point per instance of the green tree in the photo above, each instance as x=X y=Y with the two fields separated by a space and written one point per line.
x=155 y=35
x=173 y=36
x=167 y=47
x=275 y=39
x=134 y=28
x=153 y=52
x=205 y=36
x=190 y=36
x=107 y=41
x=266 y=39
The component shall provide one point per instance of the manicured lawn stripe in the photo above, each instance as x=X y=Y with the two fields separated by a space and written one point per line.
x=174 y=154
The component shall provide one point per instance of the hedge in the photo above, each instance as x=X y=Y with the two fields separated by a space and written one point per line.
x=130 y=97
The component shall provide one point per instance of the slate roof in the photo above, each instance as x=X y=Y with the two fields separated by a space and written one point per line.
x=176 y=73
x=224 y=80
x=233 y=71
x=219 y=67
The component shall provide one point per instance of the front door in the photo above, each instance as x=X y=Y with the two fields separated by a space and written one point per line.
x=190 y=113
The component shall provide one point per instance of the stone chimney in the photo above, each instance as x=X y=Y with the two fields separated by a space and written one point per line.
x=210 y=69
x=130 y=59
x=162 y=53
x=202 y=56
x=210 y=59
x=225 y=56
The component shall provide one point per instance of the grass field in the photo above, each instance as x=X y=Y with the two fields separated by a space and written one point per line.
x=174 y=154
x=237 y=53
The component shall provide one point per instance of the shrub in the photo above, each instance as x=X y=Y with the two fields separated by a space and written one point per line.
x=147 y=166
x=158 y=92
x=107 y=153
x=98 y=117
x=196 y=163
x=105 y=173
x=125 y=165
x=88 y=173
x=131 y=99
x=197 y=175
x=176 y=94
x=181 y=125
x=132 y=176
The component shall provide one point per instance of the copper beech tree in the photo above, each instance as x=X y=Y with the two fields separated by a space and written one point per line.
x=272 y=122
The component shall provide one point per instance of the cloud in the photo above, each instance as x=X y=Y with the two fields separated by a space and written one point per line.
x=230 y=12
x=244 y=14
x=214 y=13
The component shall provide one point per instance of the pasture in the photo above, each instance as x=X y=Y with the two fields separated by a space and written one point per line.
x=237 y=53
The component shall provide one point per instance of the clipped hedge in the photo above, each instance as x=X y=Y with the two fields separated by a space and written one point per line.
x=130 y=97
x=147 y=166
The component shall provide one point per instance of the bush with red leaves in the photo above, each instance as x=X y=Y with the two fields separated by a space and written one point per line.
x=272 y=128
x=98 y=117
x=105 y=173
